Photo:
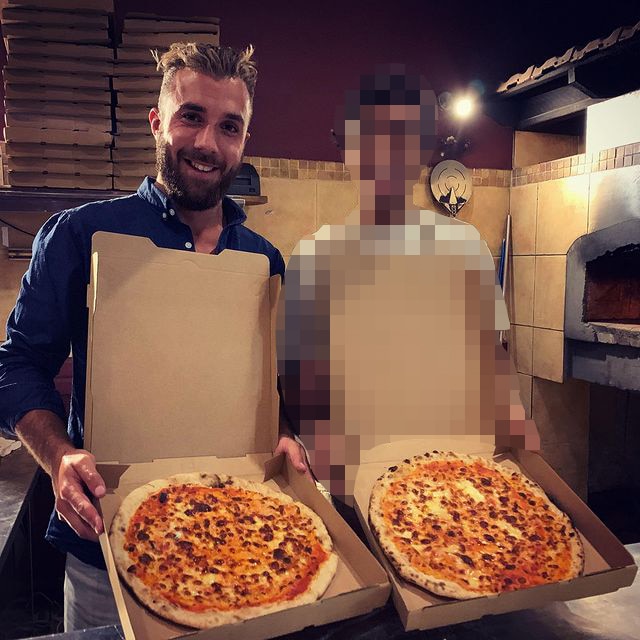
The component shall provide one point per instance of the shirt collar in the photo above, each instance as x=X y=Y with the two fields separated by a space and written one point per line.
x=232 y=213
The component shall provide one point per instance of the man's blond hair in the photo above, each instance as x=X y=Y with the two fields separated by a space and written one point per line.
x=214 y=61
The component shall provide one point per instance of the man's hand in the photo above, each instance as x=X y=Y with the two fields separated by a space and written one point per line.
x=295 y=452
x=70 y=474
x=72 y=470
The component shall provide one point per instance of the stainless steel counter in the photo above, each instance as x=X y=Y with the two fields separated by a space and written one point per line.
x=17 y=479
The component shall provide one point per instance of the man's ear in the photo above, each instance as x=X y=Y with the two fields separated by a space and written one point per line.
x=155 y=121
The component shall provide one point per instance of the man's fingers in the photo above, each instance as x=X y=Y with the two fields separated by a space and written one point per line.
x=66 y=513
x=86 y=469
x=73 y=495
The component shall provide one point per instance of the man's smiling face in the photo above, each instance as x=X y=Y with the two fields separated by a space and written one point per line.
x=200 y=131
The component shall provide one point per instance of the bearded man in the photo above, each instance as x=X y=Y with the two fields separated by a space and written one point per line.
x=200 y=127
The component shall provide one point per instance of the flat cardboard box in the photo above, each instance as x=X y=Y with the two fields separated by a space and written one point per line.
x=55 y=136
x=153 y=293
x=413 y=338
x=131 y=112
x=63 y=94
x=35 y=16
x=134 y=127
x=127 y=183
x=14 y=31
x=135 y=170
x=138 y=83
x=51 y=79
x=57 y=151
x=60 y=166
x=82 y=6
x=44 y=50
x=134 y=141
x=138 y=55
x=144 y=66
x=145 y=99
x=61 y=181
x=78 y=65
x=65 y=123
x=157 y=25
x=74 y=109
x=133 y=155
x=608 y=565
x=154 y=40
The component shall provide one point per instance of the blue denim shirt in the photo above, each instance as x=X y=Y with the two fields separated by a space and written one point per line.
x=51 y=315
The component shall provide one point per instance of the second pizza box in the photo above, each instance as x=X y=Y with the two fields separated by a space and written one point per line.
x=157 y=405
x=414 y=334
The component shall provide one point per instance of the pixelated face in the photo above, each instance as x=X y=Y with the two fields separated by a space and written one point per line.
x=383 y=141
x=200 y=131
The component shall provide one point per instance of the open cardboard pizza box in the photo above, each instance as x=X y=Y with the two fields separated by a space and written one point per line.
x=181 y=377
x=414 y=344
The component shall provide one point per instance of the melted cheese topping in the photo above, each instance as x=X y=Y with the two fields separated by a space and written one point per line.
x=469 y=524
x=217 y=549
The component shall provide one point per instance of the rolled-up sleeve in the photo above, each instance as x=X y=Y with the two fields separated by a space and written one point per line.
x=40 y=326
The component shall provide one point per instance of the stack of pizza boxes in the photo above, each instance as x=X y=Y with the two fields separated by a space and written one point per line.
x=421 y=333
x=57 y=93
x=137 y=83
x=157 y=406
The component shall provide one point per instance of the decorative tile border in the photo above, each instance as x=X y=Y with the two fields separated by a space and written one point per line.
x=299 y=169
x=479 y=177
x=614 y=158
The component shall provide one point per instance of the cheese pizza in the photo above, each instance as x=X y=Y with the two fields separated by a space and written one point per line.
x=204 y=550
x=464 y=526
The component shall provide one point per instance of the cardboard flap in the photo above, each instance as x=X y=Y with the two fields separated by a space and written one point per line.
x=178 y=363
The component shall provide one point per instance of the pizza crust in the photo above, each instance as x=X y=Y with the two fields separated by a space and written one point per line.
x=384 y=531
x=314 y=590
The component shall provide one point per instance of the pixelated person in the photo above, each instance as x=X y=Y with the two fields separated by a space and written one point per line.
x=388 y=326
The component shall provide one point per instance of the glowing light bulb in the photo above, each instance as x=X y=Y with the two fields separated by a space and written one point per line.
x=463 y=107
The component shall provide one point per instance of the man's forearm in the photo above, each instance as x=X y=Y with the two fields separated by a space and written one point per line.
x=45 y=436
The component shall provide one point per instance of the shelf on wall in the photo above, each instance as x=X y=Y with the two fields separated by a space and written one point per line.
x=49 y=201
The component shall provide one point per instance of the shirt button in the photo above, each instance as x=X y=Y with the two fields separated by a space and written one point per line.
x=172 y=212
x=188 y=245
x=164 y=216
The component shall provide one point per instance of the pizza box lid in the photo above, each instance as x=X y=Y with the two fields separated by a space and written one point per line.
x=172 y=372
x=608 y=565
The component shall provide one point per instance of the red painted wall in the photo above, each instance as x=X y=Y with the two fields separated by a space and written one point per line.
x=310 y=52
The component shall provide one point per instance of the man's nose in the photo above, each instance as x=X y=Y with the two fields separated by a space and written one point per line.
x=206 y=139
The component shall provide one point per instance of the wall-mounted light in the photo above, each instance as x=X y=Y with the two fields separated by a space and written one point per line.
x=461 y=106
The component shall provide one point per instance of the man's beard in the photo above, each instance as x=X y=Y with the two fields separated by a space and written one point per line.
x=188 y=194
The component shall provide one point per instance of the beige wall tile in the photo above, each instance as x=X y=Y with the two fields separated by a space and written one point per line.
x=335 y=201
x=487 y=211
x=532 y=148
x=525 y=383
x=562 y=213
x=548 y=301
x=289 y=214
x=523 y=205
x=520 y=279
x=548 y=354
x=522 y=347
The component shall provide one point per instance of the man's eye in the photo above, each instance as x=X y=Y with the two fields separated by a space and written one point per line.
x=191 y=117
x=230 y=127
